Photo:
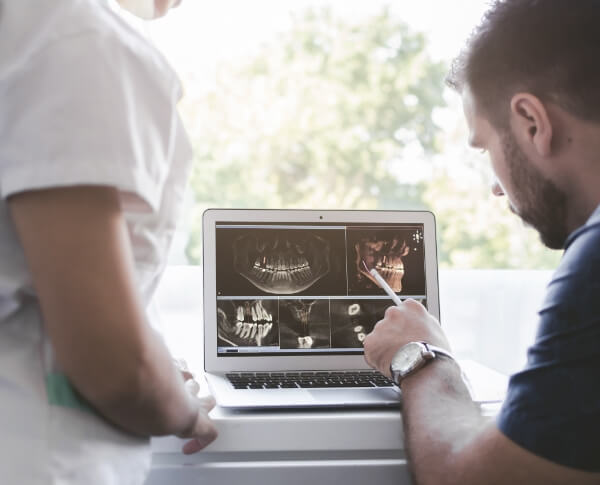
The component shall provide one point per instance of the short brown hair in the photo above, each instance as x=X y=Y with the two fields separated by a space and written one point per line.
x=550 y=48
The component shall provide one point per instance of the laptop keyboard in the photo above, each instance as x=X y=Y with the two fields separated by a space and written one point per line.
x=292 y=380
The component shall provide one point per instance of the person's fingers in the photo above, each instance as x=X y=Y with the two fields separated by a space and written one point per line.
x=192 y=386
x=192 y=446
x=393 y=312
x=208 y=402
x=195 y=445
x=187 y=375
x=205 y=433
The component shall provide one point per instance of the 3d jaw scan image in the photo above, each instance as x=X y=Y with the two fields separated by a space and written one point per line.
x=281 y=262
x=304 y=324
x=396 y=254
x=247 y=323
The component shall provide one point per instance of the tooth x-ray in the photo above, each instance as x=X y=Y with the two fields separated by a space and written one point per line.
x=247 y=323
x=397 y=254
x=353 y=320
x=304 y=324
x=257 y=261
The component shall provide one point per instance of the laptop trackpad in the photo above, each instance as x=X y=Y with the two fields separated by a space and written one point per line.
x=356 y=396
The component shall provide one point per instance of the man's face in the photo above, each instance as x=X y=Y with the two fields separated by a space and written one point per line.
x=531 y=195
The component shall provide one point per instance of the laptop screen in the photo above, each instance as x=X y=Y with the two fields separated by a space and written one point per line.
x=301 y=289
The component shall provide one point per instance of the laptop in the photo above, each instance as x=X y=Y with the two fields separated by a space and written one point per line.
x=288 y=303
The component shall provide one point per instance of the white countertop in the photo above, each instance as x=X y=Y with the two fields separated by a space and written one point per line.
x=324 y=429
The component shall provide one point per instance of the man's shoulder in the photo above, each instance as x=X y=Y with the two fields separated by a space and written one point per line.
x=582 y=257
x=572 y=297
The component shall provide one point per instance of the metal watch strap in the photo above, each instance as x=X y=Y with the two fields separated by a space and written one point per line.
x=434 y=353
x=438 y=350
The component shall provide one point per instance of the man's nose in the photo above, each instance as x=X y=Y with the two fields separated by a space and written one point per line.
x=497 y=189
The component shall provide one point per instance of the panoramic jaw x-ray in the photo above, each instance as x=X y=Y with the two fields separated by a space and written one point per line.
x=283 y=262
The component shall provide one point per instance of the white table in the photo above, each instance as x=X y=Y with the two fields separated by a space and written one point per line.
x=299 y=447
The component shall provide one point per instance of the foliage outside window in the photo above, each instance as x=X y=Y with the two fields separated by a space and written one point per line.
x=350 y=115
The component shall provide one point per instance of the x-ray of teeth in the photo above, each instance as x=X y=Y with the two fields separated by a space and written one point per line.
x=304 y=324
x=247 y=323
x=383 y=255
x=353 y=320
x=281 y=261
x=284 y=262
x=396 y=254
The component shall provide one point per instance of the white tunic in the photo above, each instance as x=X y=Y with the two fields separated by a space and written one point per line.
x=84 y=99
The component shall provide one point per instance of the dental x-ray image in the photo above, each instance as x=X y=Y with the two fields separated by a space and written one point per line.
x=397 y=255
x=247 y=323
x=352 y=320
x=257 y=261
x=304 y=324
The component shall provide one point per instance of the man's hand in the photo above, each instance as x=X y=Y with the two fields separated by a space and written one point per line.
x=409 y=322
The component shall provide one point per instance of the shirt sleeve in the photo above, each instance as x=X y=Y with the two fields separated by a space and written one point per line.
x=553 y=406
x=88 y=110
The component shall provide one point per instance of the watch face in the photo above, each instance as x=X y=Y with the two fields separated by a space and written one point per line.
x=407 y=358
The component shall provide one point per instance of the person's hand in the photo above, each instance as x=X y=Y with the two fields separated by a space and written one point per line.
x=409 y=322
x=203 y=432
x=190 y=382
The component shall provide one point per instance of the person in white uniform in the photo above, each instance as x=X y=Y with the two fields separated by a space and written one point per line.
x=93 y=162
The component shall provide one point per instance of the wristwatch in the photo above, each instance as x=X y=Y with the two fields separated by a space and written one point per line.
x=411 y=357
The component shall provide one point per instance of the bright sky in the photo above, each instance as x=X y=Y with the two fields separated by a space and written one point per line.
x=200 y=33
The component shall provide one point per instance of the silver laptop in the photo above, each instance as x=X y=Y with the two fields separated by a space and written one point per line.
x=288 y=304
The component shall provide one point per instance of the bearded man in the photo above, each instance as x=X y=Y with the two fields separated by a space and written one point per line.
x=529 y=78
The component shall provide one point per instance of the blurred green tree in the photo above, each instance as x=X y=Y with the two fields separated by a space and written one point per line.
x=332 y=114
x=325 y=116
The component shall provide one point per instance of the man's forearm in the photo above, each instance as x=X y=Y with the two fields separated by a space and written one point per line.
x=440 y=420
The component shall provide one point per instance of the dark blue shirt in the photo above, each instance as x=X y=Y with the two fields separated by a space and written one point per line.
x=553 y=406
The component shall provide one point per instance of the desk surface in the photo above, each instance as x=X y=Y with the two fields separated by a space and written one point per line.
x=325 y=429
x=295 y=447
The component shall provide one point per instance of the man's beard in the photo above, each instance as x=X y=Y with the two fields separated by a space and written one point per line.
x=541 y=204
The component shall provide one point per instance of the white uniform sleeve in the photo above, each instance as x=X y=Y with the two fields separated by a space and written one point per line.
x=89 y=110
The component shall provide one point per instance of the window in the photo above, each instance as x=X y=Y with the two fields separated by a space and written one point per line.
x=338 y=104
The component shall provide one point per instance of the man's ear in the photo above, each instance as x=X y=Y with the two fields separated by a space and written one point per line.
x=530 y=122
